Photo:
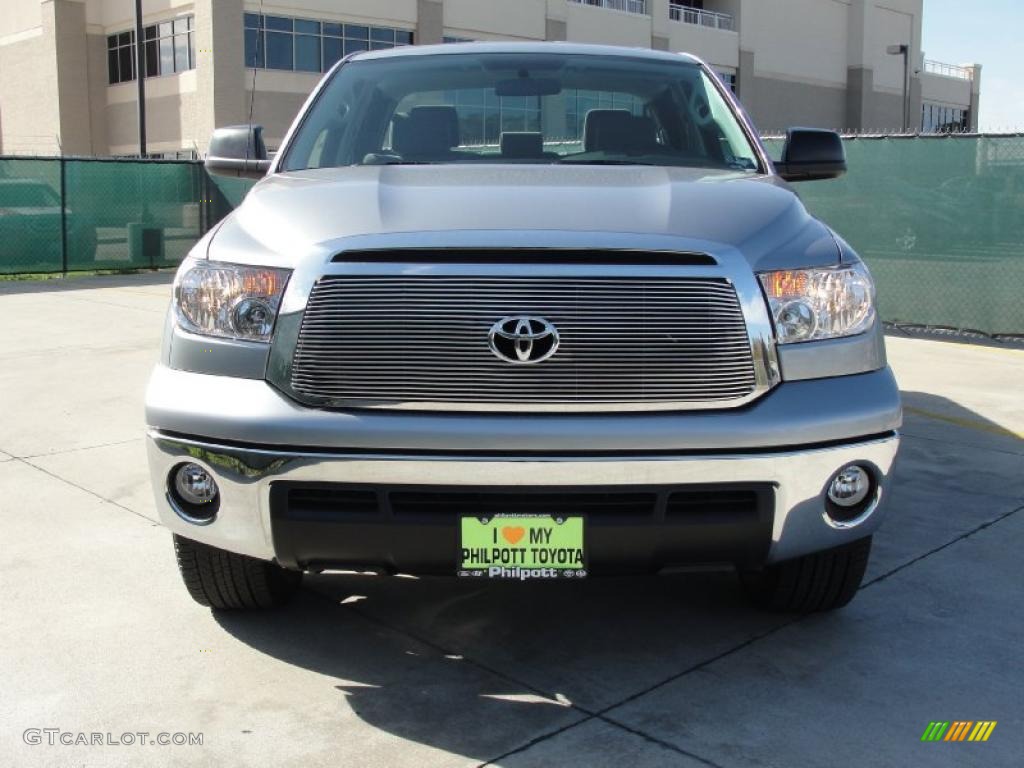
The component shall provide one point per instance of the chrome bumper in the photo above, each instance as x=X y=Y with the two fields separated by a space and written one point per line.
x=243 y=522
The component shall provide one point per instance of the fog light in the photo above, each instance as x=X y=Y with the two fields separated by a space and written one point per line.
x=849 y=487
x=193 y=493
x=194 y=484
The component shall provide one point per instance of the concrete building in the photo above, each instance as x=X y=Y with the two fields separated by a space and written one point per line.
x=67 y=66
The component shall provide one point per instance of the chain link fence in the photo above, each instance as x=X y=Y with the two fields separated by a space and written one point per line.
x=939 y=220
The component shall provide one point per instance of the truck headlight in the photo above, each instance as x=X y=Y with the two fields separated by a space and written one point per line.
x=229 y=300
x=814 y=304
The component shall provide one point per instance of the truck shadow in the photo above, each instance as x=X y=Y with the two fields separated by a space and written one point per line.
x=479 y=669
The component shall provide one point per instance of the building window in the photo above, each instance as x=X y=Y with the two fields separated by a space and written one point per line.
x=121 y=57
x=940 y=118
x=169 y=48
x=305 y=45
x=280 y=42
x=453 y=39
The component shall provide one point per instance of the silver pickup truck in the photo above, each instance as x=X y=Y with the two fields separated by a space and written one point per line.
x=522 y=311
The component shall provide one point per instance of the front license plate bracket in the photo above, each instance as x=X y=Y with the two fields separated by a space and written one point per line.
x=522 y=547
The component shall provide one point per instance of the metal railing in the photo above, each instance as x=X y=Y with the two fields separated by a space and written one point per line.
x=628 y=6
x=701 y=18
x=949 y=70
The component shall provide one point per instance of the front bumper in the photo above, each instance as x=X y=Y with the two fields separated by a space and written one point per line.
x=786 y=446
x=246 y=476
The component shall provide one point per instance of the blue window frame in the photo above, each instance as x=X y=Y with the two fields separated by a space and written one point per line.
x=309 y=45
x=280 y=50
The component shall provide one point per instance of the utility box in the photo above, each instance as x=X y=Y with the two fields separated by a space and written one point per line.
x=145 y=245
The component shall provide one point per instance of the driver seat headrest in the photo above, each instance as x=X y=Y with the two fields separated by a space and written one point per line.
x=428 y=131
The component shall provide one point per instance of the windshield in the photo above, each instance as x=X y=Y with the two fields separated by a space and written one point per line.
x=520 y=108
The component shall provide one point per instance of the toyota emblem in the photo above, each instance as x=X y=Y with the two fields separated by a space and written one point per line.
x=523 y=339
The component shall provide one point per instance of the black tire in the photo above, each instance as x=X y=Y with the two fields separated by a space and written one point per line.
x=228 y=581
x=822 y=581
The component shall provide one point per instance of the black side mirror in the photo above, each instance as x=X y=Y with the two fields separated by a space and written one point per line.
x=238 y=150
x=811 y=154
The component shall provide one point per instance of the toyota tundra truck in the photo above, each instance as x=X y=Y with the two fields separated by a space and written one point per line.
x=522 y=311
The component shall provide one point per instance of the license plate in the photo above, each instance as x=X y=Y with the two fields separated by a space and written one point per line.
x=522 y=547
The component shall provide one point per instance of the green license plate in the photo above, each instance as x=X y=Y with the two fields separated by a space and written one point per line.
x=522 y=547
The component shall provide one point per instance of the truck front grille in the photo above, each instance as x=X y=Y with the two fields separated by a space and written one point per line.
x=423 y=342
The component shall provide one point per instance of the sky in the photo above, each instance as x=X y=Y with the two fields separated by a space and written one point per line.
x=988 y=32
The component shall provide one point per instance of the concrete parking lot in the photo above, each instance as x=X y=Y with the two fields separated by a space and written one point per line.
x=98 y=635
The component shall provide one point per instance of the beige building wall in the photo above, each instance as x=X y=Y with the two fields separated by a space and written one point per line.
x=940 y=89
x=486 y=19
x=585 y=23
x=794 y=73
x=279 y=96
x=831 y=69
x=19 y=16
x=29 y=113
x=64 y=22
x=799 y=52
x=119 y=15
x=388 y=13
x=719 y=48
x=171 y=114
x=811 y=62
x=220 y=72
x=951 y=91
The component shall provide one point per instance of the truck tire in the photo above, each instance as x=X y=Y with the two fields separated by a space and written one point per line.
x=821 y=581
x=228 y=581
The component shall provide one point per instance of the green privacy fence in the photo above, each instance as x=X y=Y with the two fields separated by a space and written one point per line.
x=68 y=214
x=940 y=221
x=227 y=194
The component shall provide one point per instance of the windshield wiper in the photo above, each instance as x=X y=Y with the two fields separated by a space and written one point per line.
x=608 y=162
x=396 y=161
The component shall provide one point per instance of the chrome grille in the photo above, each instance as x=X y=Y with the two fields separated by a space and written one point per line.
x=423 y=341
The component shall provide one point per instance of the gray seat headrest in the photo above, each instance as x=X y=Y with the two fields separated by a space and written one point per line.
x=607 y=130
x=429 y=131
x=522 y=145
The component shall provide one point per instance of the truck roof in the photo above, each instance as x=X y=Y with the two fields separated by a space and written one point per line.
x=526 y=47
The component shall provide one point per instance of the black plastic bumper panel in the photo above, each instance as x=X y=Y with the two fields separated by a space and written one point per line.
x=414 y=528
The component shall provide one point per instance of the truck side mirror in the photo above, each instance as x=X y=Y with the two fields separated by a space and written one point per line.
x=238 y=150
x=811 y=154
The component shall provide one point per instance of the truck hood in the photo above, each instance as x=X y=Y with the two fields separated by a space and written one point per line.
x=288 y=214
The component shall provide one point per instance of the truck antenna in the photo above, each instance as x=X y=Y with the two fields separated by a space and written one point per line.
x=252 y=93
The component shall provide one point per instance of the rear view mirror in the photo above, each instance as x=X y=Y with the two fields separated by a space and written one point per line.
x=528 y=86
x=238 y=150
x=811 y=154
